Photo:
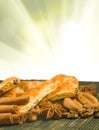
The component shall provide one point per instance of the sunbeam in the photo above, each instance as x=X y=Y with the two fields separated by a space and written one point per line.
x=39 y=39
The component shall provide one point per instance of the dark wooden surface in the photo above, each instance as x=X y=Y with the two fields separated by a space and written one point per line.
x=90 y=123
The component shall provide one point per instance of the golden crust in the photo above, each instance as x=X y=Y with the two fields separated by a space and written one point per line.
x=37 y=94
x=58 y=87
x=8 y=84
x=66 y=87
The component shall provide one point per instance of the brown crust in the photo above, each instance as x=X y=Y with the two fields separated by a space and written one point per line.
x=67 y=86
x=8 y=84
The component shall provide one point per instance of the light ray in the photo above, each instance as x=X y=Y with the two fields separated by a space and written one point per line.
x=32 y=32
x=68 y=30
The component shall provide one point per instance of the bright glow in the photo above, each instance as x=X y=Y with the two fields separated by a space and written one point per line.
x=39 y=40
x=70 y=33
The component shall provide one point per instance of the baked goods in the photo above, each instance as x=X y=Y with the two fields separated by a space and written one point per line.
x=61 y=96
x=37 y=94
x=8 y=84
x=67 y=86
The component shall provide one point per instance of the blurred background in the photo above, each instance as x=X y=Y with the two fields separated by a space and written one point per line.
x=42 y=38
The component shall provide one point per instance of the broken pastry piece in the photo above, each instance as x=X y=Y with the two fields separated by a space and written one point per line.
x=37 y=94
x=67 y=86
x=56 y=88
x=21 y=87
x=25 y=85
x=8 y=84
